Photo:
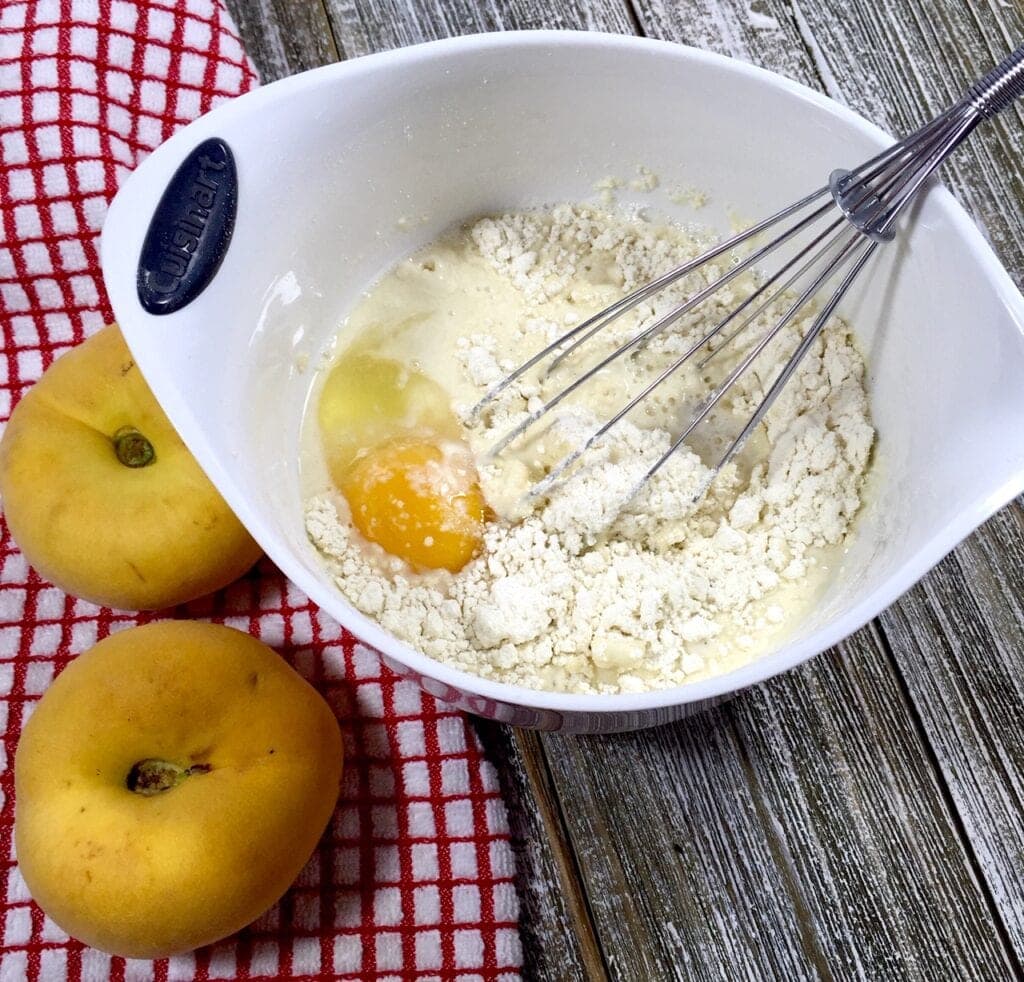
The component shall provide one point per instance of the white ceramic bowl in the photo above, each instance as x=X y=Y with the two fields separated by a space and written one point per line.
x=333 y=164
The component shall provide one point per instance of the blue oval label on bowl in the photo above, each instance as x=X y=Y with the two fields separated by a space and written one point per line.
x=190 y=229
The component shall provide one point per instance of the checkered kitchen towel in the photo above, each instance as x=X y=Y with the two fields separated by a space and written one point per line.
x=413 y=879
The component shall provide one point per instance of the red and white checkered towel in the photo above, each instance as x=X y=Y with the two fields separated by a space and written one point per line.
x=414 y=877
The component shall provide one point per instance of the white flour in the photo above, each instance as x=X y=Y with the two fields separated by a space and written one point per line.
x=589 y=590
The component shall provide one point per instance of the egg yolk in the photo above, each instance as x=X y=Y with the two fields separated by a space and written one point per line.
x=417 y=503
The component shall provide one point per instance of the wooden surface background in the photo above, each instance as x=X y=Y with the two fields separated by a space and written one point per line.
x=863 y=816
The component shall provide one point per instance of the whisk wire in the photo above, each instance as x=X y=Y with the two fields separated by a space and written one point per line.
x=787 y=370
x=631 y=300
x=719 y=393
x=870 y=197
x=644 y=335
x=551 y=478
x=837 y=228
x=699 y=297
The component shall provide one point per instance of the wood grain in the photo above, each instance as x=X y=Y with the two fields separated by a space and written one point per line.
x=762 y=32
x=679 y=868
x=797 y=832
x=362 y=26
x=284 y=36
x=863 y=817
x=559 y=939
x=961 y=656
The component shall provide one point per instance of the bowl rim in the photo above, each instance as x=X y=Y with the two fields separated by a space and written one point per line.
x=370 y=632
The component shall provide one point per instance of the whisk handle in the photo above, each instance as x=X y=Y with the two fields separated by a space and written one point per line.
x=873 y=195
x=1002 y=86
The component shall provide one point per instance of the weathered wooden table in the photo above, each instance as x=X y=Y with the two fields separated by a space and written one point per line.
x=863 y=816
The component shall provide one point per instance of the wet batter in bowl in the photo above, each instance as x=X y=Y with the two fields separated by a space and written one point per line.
x=585 y=589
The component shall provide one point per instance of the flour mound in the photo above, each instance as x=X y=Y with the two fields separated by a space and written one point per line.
x=594 y=586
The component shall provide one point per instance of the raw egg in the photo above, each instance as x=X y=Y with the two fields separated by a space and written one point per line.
x=393 y=449
x=417 y=501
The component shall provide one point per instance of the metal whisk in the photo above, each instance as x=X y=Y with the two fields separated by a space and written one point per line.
x=868 y=200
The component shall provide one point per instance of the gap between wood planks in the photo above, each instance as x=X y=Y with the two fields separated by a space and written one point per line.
x=545 y=793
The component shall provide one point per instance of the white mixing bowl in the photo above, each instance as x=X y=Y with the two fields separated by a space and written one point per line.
x=346 y=169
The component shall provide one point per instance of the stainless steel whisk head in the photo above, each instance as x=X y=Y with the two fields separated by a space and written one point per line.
x=844 y=223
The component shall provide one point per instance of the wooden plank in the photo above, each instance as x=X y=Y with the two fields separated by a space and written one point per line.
x=363 y=26
x=887 y=881
x=781 y=36
x=679 y=867
x=284 y=36
x=797 y=832
x=958 y=638
x=550 y=891
x=559 y=940
x=962 y=656
x=761 y=31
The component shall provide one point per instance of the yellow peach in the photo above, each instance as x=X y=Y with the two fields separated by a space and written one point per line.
x=169 y=787
x=103 y=497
